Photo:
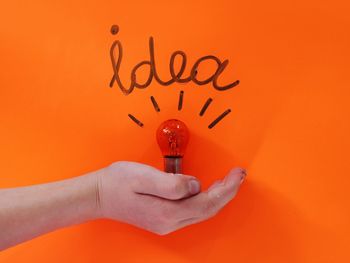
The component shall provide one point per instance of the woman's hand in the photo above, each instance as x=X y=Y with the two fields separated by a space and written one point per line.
x=160 y=202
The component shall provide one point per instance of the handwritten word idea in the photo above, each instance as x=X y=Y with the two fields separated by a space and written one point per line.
x=176 y=74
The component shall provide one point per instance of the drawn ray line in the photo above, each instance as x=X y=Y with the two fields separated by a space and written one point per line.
x=205 y=106
x=134 y=119
x=219 y=118
x=181 y=98
x=155 y=104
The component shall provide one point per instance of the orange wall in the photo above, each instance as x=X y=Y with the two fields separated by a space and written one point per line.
x=288 y=126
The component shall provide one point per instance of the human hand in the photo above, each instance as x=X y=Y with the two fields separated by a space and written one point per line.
x=160 y=202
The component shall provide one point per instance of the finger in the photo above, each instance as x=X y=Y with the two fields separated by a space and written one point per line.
x=208 y=203
x=221 y=194
x=217 y=182
x=166 y=185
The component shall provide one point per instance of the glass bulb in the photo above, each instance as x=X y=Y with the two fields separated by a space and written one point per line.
x=172 y=138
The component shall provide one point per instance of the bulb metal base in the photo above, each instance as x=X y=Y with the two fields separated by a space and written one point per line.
x=173 y=164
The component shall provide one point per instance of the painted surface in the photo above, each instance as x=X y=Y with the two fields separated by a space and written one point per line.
x=289 y=124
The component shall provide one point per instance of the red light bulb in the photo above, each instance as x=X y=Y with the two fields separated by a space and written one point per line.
x=172 y=138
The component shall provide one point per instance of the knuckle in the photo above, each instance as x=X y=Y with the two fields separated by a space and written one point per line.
x=179 y=187
x=210 y=207
x=120 y=164
x=115 y=164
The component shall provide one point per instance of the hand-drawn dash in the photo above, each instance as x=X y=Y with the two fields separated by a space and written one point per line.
x=205 y=106
x=133 y=118
x=219 y=118
x=181 y=98
x=155 y=104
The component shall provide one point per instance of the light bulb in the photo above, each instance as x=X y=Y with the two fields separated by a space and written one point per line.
x=172 y=138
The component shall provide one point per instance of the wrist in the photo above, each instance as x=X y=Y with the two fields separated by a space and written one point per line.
x=98 y=205
x=82 y=195
x=92 y=200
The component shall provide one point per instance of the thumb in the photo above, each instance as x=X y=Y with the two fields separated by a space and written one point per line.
x=166 y=185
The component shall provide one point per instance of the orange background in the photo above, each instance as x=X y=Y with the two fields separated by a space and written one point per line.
x=289 y=122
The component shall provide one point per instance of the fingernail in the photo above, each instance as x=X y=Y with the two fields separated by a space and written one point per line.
x=242 y=179
x=243 y=176
x=194 y=186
